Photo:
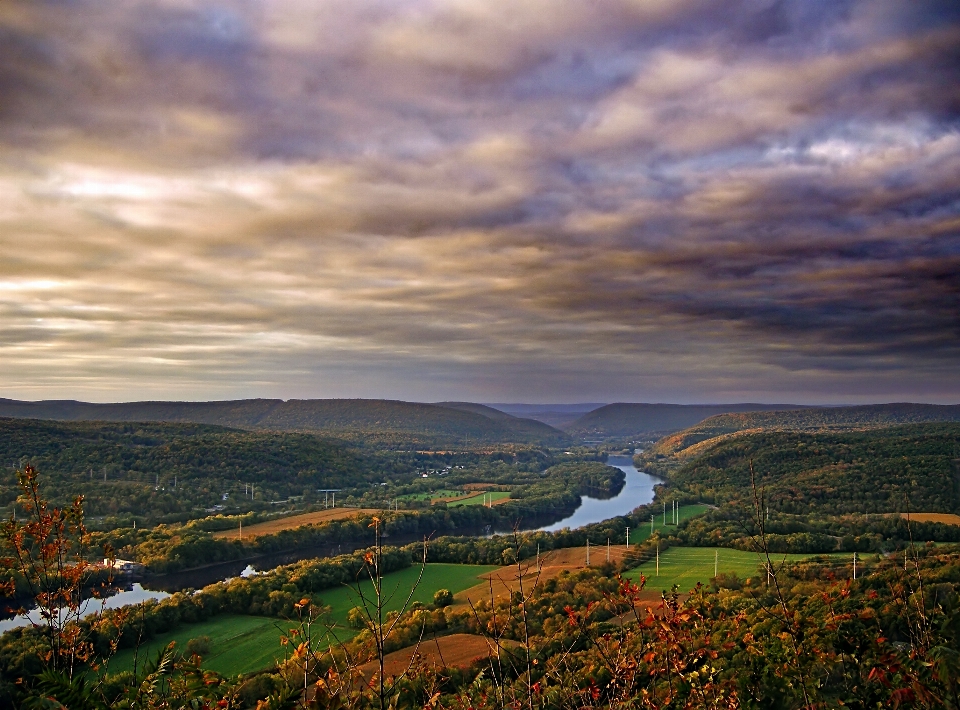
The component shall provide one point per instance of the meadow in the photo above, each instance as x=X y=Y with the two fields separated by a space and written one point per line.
x=238 y=644
x=639 y=534
x=478 y=499
x=242 y=644
x=686 y=566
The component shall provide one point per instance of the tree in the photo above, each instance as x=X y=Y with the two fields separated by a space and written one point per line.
x=442 y=598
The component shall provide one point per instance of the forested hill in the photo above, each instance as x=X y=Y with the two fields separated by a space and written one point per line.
x=357 y=419
x=896 y=469
x=163 y=469
x=693 y=440
x=645 y=421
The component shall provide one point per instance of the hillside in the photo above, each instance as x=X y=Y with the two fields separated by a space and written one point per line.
x=160 y=469
x=885 y=470
x=356 y=419
x=695 y=439
x=645 y=421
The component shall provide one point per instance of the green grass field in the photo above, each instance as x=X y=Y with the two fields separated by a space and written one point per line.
x=241 y=644
x=685 y=566
x=686 y=512
x=396 y=587
x=238 y=644
x=478 y=499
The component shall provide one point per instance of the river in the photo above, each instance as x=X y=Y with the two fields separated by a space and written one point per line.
x=637 y=490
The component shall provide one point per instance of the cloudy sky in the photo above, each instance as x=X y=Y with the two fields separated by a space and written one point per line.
x=493 y=200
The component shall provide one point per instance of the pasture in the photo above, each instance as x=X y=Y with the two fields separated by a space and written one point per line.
x=241 y=644
x=238 y=644
x=493 y=497
x=685 y=566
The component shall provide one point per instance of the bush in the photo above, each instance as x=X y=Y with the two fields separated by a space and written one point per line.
x=357 y=618
x=442 y=598
x=200 y=646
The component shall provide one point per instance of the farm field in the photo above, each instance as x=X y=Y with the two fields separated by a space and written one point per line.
x=478 y=499
x=396 y=587
x=270 y=527
x=453 y=651
x=238 y=644
x=685 y=566
x=686 y=512
x=241 y=644
x=504 y=580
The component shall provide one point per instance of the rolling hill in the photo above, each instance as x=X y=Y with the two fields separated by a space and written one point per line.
x=882 y=470
x=697 y=438
x=158 y=469
x=355 y=419
x=646 y=421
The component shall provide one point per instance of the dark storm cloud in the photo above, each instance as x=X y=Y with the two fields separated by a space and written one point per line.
x=475 y=199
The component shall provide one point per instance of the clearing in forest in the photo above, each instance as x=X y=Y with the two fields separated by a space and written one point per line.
x=270 y=527
x=686 y=566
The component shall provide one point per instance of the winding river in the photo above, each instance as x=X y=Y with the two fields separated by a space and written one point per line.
x=637 y=490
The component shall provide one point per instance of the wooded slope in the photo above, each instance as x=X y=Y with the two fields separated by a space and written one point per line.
x=356 y=419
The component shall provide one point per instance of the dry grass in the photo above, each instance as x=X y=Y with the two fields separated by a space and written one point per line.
x=506 y=580
x=946 y=518
x=294 y=521
x=454 y=651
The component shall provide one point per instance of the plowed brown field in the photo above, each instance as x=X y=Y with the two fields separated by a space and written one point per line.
x=454 y=651
x=294 y=521
x=507 y=579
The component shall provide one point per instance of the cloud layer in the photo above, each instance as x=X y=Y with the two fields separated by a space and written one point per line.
x=475 y=199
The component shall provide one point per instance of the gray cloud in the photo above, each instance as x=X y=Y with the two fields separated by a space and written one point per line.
x=663 y=200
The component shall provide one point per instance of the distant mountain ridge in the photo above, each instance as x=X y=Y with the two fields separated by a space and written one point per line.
x=624 y=420
x=559 y=416
x=452 y=422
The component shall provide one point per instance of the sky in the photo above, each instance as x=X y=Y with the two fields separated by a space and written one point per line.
x=486 y=200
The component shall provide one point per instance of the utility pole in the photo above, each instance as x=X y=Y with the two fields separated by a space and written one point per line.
x=716 y=560
x=651 y=525
x=588 y=552
x=627 y=546
x=658 y=559
x=608 y=549
x=854 y=565
x=664 y=513
x=241 y=529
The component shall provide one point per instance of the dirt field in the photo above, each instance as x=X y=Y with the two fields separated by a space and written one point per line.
x=454 y=651
x=507 y=579
x=947 y=518
x=294 y=521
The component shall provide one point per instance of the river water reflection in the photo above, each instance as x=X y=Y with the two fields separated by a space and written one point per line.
x=637 y=491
